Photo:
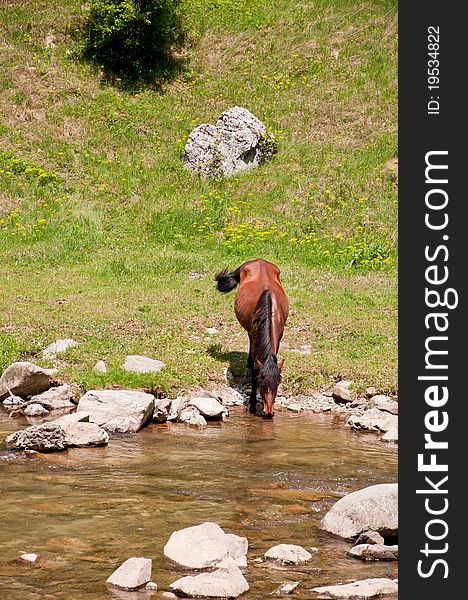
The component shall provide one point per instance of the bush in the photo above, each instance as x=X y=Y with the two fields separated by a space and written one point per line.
x=133 y=39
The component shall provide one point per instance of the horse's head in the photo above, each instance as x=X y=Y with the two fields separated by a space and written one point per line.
x=268 y=380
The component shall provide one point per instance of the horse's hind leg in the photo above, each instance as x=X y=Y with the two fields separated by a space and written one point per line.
x=250 y=364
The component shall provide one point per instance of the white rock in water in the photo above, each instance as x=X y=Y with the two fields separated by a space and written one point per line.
x=286 y=588
x=365 y=588
x=209 y=407
x=47 y=437
x=100 y=367
x=373 y=420
x=132 y=574
x=58 y=347
x=151 y=586
x=374 y=552
x=391 y=436
x=142 y=364
x=288 y=554
x=13 y=401
x=35 y=410
x=81 y=435
x=118 y=411
x=237 y=142
x=226 y=581
x=56 y=398
x=205 y=545
x=29 y=557
x=373 y=508
x=24 y=379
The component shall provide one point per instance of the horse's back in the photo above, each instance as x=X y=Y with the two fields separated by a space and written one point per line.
x=255 y=277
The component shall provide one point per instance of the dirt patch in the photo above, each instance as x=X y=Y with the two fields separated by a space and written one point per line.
x=7 y=203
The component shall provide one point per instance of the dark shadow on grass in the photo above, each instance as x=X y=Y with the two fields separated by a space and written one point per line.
x=237 y=360
x=165 y=71
x=236 y=377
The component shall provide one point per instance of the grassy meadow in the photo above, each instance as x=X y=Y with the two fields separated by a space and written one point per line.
x=106 y=239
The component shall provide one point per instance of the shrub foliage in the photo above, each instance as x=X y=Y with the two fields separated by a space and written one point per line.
x=133 y=39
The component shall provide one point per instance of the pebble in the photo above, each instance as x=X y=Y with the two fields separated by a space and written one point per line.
x=29 y=557
x=286 y=588
x=100 y=367
x=151 y=586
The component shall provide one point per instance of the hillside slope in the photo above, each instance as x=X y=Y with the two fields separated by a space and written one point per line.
x=106 y=239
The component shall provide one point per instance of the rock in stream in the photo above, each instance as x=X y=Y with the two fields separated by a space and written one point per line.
x=205 y=545
x=373 y=508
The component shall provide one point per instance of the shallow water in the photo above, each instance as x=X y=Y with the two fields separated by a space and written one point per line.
x=86 y=511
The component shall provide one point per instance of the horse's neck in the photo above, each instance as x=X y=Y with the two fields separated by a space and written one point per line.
x=274 y=334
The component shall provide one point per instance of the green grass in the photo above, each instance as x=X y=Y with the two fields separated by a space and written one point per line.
x=100 y=224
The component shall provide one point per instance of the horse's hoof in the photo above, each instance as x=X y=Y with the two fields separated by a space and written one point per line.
x=268 y=415
x=259 y=409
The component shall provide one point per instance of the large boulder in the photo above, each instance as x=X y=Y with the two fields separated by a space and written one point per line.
x=365 y=588
x=132 y=574
x=373 y=508
x=48 y=437
x=68 y=431
x=118 y=411
x=205 y=545
x=24 y=379
x=237 y=142
x=226 y=581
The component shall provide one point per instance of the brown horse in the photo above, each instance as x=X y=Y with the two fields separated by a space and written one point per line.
x=261 y=308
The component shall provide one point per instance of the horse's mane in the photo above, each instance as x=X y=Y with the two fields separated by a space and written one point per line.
x=269 y=376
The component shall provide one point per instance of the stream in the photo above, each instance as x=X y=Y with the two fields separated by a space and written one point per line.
x=85 y=511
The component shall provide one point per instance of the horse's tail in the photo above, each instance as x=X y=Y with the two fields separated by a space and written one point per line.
x=227 y=281
x=262 y=325
x=269 y=375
